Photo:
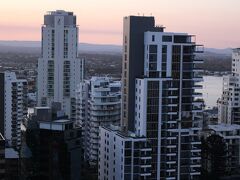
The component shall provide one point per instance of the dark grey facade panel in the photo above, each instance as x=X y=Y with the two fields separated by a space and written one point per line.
x=2 y=89
x=137 y=26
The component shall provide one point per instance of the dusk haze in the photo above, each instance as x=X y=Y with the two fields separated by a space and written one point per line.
x=120 y=90
x=215 y=22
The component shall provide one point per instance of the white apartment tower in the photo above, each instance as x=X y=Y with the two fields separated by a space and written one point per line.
x=13 y=103
x=166 y=110
x=99 y=104
x=59 y=68
x=229 y=103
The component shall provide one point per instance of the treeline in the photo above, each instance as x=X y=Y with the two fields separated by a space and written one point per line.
x=107 y=64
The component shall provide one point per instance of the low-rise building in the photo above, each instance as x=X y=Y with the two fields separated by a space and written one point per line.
x=55 y=144
x=231 y=136
x=123 y=155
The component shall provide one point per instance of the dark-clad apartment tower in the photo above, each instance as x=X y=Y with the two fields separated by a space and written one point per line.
x=133 y=62
x=2 y=157
x=55 y=145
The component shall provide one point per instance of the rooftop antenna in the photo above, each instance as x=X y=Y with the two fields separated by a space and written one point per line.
x=138 y=14
x=150 y=14
x=143 y=14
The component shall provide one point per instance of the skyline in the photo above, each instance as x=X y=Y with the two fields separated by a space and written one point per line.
x=213 y=22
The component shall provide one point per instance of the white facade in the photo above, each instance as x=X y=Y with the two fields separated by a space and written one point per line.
x=59 y=68
x=168 y=113
x=98 y=103
x=166 y=105
x=15 y=108
x=229 y=103
x=123 y=156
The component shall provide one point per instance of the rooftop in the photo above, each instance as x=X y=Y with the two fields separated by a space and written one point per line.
x=125 y=134
x=10 y=153
x=224 y=127
x=57 y=125
x=59 y=12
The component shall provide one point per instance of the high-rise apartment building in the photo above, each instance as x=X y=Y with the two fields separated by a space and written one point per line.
x=13 y=107
x=166 y=106
x=99 y=104
x=229 y=103
x=159 y=101
x=59 y=68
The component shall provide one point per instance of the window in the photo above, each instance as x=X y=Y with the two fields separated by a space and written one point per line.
x=153 y=38
x=167 y=38
x=153 y=49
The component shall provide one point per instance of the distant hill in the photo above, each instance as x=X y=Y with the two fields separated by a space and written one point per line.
x=20 y=44
x=34 y=46
x=102 y=56
x=219 y=51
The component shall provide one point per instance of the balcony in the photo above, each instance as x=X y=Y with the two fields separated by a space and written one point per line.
x=197 y=94
x=146 y=149
x=171 y=162
x=145 y=174
x=171 y=170
x=197 y=79
x=146 y=166
x=197 y=70
x=145 y=158
x=199 y=49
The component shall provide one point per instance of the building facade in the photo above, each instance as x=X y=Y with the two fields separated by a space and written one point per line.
x=59 y=68
x=229 y=103
x=2 y=157
x=99 y=101
x=13 y=102
x=12 y=161
x=123 y=155
x=159 y=100
x=132 y=63
x=55 y=144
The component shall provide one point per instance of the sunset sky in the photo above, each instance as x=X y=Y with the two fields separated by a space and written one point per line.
x=214 y=22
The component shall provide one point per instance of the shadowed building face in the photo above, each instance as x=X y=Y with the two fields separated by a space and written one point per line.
x=133 y=58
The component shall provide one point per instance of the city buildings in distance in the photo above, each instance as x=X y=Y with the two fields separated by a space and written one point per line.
x=229 y=103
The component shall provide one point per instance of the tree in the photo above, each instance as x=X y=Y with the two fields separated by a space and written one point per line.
x=214 y=157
